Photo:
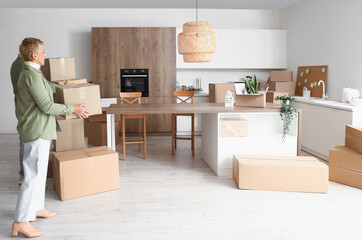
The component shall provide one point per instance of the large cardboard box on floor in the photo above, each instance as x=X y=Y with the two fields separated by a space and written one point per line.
x=233 y=127
x=85 y=93
x=83 y=172
x=288 y=87
x=281 y=76
x=103 y=117
x=55 y=69
x=354 y=138
x=280 y=173
x=96 y=132
x=271 y=95
x=251 y=100
x=217 y=91
x=345 y=166
x=72 y=135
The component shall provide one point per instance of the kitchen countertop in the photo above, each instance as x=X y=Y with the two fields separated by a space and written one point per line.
x=327 y=103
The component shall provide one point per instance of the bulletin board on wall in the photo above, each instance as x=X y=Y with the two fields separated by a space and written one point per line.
x=309 y=76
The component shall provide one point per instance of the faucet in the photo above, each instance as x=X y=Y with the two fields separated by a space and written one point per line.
x=324 y=96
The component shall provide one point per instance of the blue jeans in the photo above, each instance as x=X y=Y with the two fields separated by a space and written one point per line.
x=21 y=152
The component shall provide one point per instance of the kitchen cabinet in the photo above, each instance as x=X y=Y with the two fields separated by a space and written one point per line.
x=324 y=124
x=240 y=49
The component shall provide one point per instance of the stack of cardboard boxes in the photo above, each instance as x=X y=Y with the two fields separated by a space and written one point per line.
x=78 y=170
x=345 y=161
x=280 y=84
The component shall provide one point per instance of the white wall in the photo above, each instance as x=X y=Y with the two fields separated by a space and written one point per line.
x=67 y=32
x=326 y=32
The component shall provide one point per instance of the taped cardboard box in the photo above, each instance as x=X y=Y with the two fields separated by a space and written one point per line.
x=280 y=173
x=103 y=117
x=344 y=157
x=251 y=100
x=84 y=93
x=72 y=135
x=271 y=95
x=96 y=132
x=233 y=127
x=281 y=76
x=345 y=176
x=354 y=138
x=55 y=69
x=288 y=87
x=83 y=172
x=217 y=91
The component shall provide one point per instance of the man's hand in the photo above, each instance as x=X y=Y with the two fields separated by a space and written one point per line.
x=80 y=111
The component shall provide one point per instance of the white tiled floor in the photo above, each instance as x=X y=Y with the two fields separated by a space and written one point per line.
x=179 y=198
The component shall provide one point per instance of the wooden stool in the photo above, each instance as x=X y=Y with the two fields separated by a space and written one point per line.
x=183 y=97
x=130 y=98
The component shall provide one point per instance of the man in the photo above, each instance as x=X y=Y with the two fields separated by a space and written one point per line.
x=37 y=127
x=15 y=71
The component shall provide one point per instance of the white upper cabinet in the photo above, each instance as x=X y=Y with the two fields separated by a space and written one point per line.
x=236 y=48
x=275 y=49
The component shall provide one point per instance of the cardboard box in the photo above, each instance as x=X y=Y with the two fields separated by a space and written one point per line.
x=83 y=172
x=85 y=93
x=50 y=163
x=354 y=138
x=233 y=127
x=96 y=132
x=288 y=87
x=281 y=76
x=251 y=100
x=103 y=117
x=344 y=157
x=72 y=135
x=217 y=91
x=72 y=81
x=55 y=69
x=271 y=95
x=345 y=176
x=280 y=173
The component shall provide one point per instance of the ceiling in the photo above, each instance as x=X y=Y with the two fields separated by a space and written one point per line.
x=210 y=4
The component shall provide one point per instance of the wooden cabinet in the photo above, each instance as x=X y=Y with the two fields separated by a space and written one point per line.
x=240 y=49
x=150 y=48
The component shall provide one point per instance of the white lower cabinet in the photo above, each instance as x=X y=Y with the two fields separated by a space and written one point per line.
x=264 y=138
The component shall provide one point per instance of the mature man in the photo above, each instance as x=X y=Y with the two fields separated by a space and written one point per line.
x=37 y=127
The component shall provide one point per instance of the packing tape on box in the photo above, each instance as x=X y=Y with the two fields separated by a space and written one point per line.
x=62 y=68
x=90 y=165
x=82 y=93
x=69 y=132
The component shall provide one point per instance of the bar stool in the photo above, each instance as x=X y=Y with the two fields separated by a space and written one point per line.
x=131 y=98
x=183 y=97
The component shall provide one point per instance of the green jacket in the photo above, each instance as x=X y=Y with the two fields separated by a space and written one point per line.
x=15 y=71
x=36 y=109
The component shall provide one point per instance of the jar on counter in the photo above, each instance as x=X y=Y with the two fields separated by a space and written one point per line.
x=184 y=88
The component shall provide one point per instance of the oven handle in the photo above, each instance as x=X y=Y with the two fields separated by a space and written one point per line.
x=134 y=75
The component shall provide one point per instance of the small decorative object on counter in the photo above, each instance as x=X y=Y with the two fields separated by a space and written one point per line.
x=288 y=112
x=306 y=93
x=252 y=84
x=184 y=88
x=229 y=99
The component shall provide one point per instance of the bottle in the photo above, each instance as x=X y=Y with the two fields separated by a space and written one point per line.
x=229 y=99
x=183 y=87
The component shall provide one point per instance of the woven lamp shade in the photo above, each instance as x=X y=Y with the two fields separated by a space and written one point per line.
x=197 y=42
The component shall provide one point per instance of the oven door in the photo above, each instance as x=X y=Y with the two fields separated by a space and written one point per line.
x=135 y=84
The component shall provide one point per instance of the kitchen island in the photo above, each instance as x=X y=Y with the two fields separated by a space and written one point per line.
x=264 y=130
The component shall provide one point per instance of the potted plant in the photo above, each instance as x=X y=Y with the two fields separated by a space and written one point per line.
x=252 y=84
x=288 y=112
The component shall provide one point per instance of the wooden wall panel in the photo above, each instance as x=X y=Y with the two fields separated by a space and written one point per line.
x=162 y=61
x=134 y=50
x=106 y=61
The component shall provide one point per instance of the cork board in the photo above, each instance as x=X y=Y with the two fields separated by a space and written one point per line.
x=309 y=76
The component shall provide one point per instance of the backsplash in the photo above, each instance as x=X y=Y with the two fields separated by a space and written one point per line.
x=187 y=76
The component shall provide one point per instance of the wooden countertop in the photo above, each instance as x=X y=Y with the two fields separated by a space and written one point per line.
x=165 y=108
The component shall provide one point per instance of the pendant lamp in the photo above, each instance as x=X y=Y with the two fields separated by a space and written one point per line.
x=197 y=42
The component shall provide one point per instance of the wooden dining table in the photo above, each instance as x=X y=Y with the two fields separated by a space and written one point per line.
x=169 y=108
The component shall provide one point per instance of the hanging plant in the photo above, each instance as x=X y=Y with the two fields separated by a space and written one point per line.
x=288 y=112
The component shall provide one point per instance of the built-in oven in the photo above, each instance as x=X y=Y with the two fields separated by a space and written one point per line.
x=135 y=80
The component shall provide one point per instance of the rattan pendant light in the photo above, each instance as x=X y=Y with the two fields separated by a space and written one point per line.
x=197 y=42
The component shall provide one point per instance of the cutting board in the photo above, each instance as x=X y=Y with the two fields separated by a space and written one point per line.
x=309 y=76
